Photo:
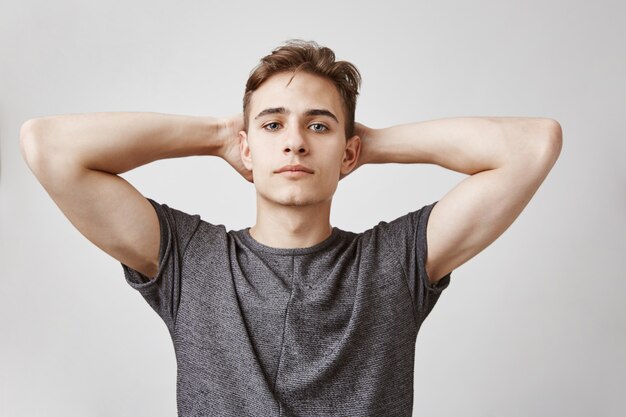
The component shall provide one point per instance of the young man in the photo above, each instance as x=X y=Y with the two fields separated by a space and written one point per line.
x=292 y=316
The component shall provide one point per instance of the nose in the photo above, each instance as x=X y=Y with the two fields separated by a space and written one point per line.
x=296 y=142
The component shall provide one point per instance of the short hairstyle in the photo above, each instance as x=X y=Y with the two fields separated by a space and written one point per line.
x=298 y=55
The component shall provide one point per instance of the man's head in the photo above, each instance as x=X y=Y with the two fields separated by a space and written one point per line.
x=298 y=55
x=299 y=105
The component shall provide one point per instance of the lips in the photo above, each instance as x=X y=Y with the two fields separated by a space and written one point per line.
x=295 y=168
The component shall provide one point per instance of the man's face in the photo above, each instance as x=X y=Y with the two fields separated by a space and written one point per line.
x=297 y=124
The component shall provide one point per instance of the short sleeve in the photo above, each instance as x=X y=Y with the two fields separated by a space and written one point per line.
x=163 y=292
x=407 y=241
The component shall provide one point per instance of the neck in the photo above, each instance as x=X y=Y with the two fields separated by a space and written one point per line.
x=290 y=227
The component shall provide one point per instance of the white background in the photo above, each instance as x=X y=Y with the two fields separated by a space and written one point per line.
x=535 y=325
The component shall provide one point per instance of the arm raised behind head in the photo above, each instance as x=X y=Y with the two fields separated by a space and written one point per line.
x=506 y=158
x=77 y=157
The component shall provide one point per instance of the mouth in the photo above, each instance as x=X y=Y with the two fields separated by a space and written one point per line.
x=294 y=169
x=294 y=174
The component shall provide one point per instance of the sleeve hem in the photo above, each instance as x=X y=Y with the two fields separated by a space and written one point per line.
x=136 y=279
x=440 y=285
x=444 y=281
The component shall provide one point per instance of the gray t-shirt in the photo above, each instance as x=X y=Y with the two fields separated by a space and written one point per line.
x=327 y=330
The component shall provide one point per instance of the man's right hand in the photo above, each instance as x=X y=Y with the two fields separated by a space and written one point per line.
x=230 y=150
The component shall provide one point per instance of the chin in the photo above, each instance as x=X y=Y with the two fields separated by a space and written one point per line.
x=296 y=199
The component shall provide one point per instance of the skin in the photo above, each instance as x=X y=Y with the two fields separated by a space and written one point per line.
x=294 y=211
x=77 y=158
x=506 y=160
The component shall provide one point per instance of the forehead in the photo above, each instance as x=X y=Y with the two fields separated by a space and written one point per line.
x=303 y=92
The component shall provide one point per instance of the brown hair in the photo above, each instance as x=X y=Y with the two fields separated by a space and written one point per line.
x=297 y=55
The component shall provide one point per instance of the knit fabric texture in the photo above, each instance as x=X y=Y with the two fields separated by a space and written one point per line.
x=327 y=330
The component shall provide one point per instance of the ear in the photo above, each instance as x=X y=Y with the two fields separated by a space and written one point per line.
x=351 y=155
x=244 y=150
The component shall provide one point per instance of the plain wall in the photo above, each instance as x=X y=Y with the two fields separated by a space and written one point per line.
x=534 y=325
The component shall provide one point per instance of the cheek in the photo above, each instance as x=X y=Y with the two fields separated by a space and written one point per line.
x=257 y=157
x=263 y=167
x=331 y=173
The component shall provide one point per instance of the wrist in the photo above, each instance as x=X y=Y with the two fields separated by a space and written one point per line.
x=228 y=132
x=369 y=138
x=214 y=135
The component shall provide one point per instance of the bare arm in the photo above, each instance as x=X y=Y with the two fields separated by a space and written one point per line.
x=77 y=157
x=507 y=159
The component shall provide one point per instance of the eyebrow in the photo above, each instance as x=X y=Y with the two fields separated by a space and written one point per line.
x=310 y=112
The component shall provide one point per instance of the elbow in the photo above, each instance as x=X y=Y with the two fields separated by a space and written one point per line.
x=31 y=128
x=32 y=135
x=541 y=140
x=555 y=140
x=27 y=140
x=551 y=146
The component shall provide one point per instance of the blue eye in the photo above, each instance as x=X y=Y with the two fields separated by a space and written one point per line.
x=322 y=128
x=271 y=124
